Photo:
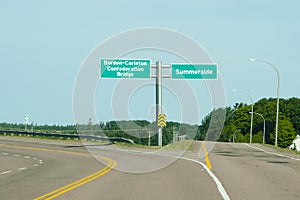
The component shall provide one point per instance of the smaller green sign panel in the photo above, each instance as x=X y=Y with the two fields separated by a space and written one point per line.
x=194 y=71
x=125 y=68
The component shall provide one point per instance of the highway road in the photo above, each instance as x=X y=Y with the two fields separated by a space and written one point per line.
x=41 y=169
x=257 y=172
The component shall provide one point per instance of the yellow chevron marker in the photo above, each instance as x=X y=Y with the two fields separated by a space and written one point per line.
x=162 y=120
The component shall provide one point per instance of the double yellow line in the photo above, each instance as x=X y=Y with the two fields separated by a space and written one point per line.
x=71 y=186
x=51 y=195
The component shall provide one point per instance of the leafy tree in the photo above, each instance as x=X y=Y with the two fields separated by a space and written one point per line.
x=242 y=118
x=242 y=138
x=212 y=126
x=291 y=109
x=202 y=130
x=286 y=133
x=216 y=124
x=258 y=137
x=90 y=125
x=227 y=133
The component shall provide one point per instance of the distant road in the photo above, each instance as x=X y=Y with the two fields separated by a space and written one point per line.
x=43 y=169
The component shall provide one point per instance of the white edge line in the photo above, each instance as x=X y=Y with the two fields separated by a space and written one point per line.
x=6 y=172
x=220 y=187
x=276 y=154
x=216 y=180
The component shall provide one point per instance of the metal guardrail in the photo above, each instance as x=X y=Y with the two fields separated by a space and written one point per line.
x=81 y=136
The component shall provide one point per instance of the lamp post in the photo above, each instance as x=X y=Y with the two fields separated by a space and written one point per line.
x=233 y=137
x=264 y=132
x=251 y=123
x=278 y=87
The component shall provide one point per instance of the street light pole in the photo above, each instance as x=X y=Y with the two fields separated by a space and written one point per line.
x=251 y=123
x=264 y=133
x=278 y=87
x=233 y=137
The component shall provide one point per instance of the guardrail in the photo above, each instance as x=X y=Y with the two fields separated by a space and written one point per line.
x=73 y=136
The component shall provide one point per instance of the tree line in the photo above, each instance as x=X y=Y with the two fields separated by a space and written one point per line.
x=237 y=122
x=221 y=124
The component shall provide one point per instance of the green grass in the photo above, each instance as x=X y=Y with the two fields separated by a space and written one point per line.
x=183 y=145
x=135 y=145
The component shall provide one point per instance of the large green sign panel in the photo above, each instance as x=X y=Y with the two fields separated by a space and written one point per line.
x=125 y=68
x=194 y=71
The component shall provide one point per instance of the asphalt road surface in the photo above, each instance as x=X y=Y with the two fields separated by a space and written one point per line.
x=256 y=172
x=40 y=169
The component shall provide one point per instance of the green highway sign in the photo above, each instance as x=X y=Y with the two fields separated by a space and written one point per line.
x=125 y=68
x=194 y=71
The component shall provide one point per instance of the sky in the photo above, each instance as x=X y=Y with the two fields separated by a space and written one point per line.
x=44 y=43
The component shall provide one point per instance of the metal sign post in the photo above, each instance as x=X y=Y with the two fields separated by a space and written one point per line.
x=141 y=69
x=159 y=99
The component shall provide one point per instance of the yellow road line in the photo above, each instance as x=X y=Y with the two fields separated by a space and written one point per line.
x=208 y=164
x=74 y=184
x=71 y=186
x=111 y=164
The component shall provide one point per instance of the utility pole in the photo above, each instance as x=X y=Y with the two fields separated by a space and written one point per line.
x=149 y=137
x=32 y=127
x=175 y=135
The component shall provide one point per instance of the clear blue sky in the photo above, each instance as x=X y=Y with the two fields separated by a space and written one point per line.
x=43 y=43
